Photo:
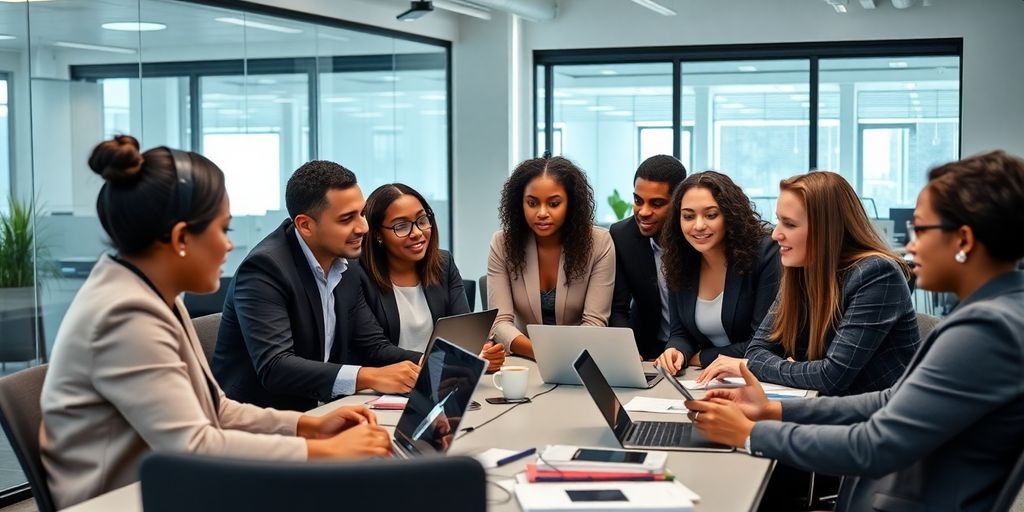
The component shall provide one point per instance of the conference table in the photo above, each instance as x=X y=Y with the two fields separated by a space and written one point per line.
x=563 y=415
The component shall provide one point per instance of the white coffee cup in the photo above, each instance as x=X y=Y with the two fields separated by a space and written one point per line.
x=511 y=380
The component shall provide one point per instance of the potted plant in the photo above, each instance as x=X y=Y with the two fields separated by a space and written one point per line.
x=620 y=206
x=21 y=336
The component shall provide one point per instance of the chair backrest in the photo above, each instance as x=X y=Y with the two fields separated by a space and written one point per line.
x=1011 y=497
x=452 y=484
x=206 y=329
x=470 y=286
x=483 y=291
x=209 y=303
x=926 y=323
x=21 y=416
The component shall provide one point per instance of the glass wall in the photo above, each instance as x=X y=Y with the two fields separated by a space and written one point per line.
x=258 y=93
x=882 y=118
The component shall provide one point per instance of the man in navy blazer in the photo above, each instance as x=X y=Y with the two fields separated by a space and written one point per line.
x=640 y=300
x=294 y=334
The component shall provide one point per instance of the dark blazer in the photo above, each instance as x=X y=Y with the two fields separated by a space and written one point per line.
x=867 y=350
x=745 y=303
x=444 y=299
x=270 y=349
x=636 y=301
x=945 y=437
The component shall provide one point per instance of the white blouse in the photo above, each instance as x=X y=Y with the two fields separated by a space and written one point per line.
x=708 y=317
x=415 y=321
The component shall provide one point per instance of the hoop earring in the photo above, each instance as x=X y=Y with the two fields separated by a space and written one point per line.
x=961 y=257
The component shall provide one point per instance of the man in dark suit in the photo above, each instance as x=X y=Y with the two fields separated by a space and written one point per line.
x=641 y=296
x=294 y=334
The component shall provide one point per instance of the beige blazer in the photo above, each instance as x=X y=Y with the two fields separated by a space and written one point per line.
x=126 y=378
x=587 y=301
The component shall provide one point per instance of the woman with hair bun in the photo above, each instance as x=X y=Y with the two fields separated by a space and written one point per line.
x=127 y=375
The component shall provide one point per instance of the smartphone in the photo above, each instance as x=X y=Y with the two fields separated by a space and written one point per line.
x=618 y=456
x=596 y=495
x=500 y=400
x=675 y=383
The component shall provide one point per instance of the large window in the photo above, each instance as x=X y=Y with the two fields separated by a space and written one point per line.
x=880 y=114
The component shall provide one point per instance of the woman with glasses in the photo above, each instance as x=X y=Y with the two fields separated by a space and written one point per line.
x=409 y=281
x=549 y=264
x=843 y=322
x=947 y=434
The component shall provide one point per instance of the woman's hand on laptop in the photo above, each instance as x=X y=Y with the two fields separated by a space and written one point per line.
x=334 y=422
x=672 y=360
x=494 y=353
x=359 y=442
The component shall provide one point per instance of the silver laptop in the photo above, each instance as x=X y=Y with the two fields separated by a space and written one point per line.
x=556 y=346
x=468 y=330
x=659 y=435
x=439 y=400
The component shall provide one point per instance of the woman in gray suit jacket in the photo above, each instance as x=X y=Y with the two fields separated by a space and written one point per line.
x=127 y=374
x=947 y=434
x=548 y=264
x=409 y=282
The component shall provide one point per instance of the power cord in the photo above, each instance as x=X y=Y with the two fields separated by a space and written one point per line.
x=469 y=430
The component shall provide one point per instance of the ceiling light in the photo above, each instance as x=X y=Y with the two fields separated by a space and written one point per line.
x=260 y=25
x=334 y=37
x=838 y=5
x=898 y=64
x=841 y=9
x=459 y=8
x=4 y=37
x=600 y=108
x=868 y=4
x=914 y=95
x=133 y=26
x=747 y=69
x=433 y=112
x=99 y=48
x=656 y=7
x=433 y=97
x=609 y=72
x=417 y=9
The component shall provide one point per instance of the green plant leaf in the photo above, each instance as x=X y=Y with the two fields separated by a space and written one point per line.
x=619 y=206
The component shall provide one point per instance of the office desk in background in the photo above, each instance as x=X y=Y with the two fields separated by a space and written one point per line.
x=725 y=481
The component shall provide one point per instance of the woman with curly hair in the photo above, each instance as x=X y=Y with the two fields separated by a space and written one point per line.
x=548 y=264
x=721 y=267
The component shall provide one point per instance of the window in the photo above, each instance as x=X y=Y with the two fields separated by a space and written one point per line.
x=5 y=141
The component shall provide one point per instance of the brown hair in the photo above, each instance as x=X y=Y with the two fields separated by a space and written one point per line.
x=983 y=192
x=839 y=235
x=744 y=230
x=375 y=257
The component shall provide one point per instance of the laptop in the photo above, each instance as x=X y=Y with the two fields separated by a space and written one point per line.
x=438 y=401
x=468 y=330
x=555 y=347
x=658 y=435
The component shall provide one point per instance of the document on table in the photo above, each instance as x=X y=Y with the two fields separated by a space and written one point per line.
x=662 y=405
x=604 y=496
x=737 y=382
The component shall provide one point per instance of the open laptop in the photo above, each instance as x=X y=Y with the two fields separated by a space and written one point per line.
x=439 y=400
x=660 y=435
x=468 y=330
x=555 y=347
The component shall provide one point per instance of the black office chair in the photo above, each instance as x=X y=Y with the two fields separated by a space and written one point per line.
x=470 y=286
x=483 y=291
x=175 y=482
x=926 y=324
x=207 y=304
x=21 y=415
x=1011 y=494
x=206 y=329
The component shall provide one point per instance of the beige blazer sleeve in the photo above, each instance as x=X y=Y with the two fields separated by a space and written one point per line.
x=597 y=297
x=138 y=367
x=499 y=292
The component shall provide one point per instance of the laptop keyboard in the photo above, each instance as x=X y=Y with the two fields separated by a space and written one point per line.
x=660 y=433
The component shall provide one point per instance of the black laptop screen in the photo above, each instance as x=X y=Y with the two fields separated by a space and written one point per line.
x=440 y=398
x=602 y=393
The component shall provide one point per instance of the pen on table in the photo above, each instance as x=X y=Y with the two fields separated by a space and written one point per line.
x=516 y=456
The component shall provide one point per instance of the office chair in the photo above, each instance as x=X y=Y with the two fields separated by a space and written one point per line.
x=483 y=291
x=175 y=482
x=1011 y=496
x=470 y=286
x=206 y=329
x=926 y=324
x=207 y=304
x=21 y=415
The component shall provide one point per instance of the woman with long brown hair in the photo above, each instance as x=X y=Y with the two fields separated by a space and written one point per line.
x=844 y=322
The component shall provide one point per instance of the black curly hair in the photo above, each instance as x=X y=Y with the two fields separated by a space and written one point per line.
x=744 y=230
x=577 y=238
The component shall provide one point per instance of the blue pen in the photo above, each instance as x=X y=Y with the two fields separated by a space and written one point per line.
x=516 y=456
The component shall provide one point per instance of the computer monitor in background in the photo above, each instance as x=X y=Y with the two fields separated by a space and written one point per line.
x=900 y=217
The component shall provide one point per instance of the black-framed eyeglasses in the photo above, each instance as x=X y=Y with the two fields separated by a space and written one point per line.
x=403 y=228
x=915 y=230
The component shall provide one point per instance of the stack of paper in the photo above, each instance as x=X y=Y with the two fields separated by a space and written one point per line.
x=389 y=402
x=605 y=496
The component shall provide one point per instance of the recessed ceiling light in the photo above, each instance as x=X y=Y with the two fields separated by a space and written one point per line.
x=4 y=37
x=747 y=69
x=260 y=25
x=133 y=26
x=609 y=72
x=266 y=81
x=433 y=97
x=96 y=47
x=841 y=9
x=898 y=64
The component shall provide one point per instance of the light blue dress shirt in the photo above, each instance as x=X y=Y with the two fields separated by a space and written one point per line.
x=345 y=382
